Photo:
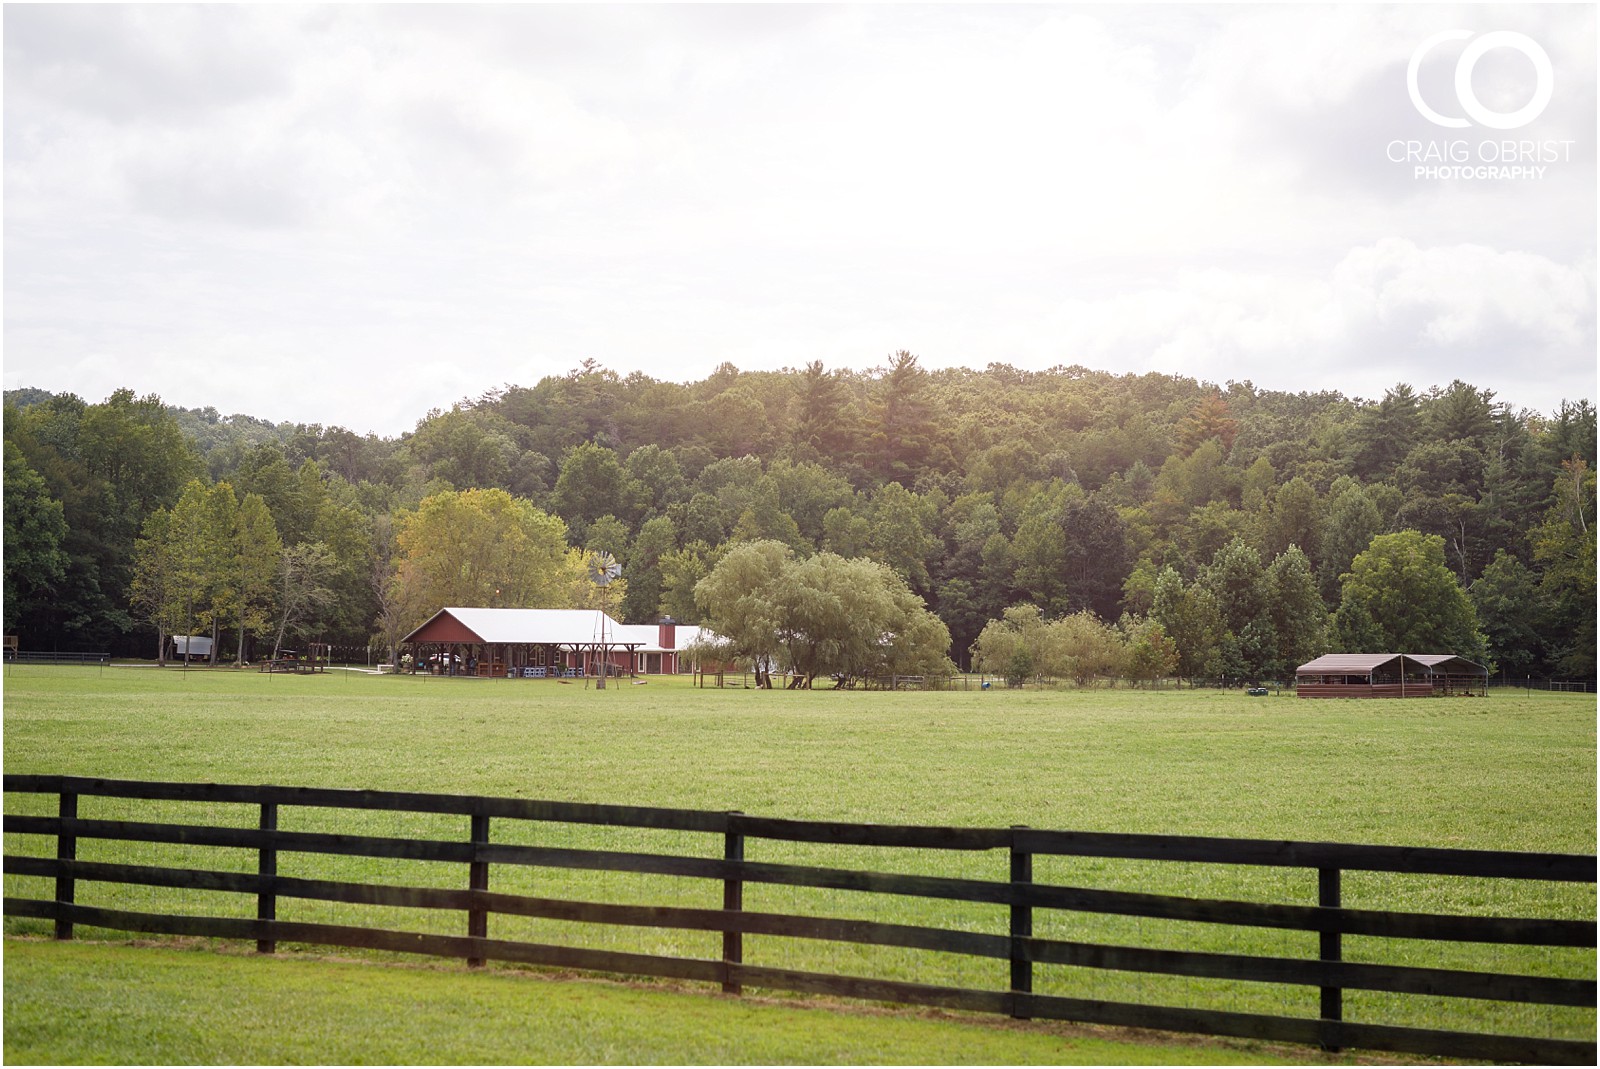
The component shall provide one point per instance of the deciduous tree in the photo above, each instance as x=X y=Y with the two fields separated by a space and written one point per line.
x=820 y=615
x=1565 y=546
x=35 y=529
x=155 y=593
x=1190 y=615
x=1151 y=654
x=1299 y=618
x=302 y=591
x=736 y=602
x=258 y=552
x=1349 y=527
x=1401 y=597
x=592 y=483
x=1514 y=613
x=482 y=547
x=642 y=566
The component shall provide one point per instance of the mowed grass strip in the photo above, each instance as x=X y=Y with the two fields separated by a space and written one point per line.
x=87 y=1003
x=1513 y=771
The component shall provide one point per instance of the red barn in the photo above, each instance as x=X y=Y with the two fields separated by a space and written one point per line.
x=539 y=643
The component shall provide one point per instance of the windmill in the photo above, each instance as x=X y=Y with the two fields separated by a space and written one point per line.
x=603 y=570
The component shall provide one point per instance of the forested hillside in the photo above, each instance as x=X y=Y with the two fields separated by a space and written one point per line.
x=1219 y=526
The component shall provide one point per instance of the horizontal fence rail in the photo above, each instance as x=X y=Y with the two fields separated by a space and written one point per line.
x=54 y=657
x=1013 y=942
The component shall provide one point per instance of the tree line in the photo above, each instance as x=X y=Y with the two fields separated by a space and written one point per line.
x=1231 y=518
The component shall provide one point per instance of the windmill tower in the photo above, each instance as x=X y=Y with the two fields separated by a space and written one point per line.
x=603 y=570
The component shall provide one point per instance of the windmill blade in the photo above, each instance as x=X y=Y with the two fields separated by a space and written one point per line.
x=603 y=568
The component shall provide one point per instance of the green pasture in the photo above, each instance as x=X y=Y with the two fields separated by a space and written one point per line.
x=1512 y=771
x=149 y=1005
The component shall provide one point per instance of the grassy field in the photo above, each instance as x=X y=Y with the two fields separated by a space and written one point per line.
x=144 y=1005
x=1514 y=771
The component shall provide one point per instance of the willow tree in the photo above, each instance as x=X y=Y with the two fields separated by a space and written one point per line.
x=823 y=615
x=485 y=548
x=1015 y=645
x=1079 y=646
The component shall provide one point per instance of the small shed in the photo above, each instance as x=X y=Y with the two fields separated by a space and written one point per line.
x=190 y=647
x=1389 y=675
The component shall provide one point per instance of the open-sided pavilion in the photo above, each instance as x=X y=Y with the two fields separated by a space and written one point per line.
x=541 y=643
x=1390 y=675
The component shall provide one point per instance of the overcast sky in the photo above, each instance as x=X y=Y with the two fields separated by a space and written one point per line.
x=353 y=215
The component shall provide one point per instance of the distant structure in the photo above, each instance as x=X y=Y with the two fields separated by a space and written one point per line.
x=190 y=647
x=1390 y=675
x=540 y=643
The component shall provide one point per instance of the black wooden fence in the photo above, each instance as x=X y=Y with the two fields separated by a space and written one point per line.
x=1024 y=898
x=55 y=657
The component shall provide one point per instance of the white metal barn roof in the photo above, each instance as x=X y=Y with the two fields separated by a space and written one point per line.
x=558 y=627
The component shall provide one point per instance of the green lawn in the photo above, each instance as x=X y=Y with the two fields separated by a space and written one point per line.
x=79 y=1003
x=1514 y=771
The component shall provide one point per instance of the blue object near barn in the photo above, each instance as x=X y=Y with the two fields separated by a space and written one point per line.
x=1257 y=692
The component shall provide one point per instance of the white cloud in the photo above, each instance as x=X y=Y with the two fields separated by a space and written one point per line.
x=1385 y=312
x=1466 y=294
x=245 y=199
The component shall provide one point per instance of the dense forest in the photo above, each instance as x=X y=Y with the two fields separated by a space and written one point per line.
x=1214 y=531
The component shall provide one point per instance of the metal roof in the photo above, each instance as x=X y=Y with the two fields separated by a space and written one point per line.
x=192 y=645
x=558 y=627
x=648 y=637
x=1348 y=663
x=1434 y=660
x=1357 y=663
x=545 y=626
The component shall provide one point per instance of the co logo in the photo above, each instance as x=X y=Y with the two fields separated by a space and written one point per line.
x=1498 y=120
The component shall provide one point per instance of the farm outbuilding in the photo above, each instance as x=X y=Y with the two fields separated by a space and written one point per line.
x=1389 y=675
x=541 y=643
x=189 y=647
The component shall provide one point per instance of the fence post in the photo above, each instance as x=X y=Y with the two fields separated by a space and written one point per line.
x=1331 y=948
x=66 y=850
x=266 y=894
x=477 y=881
x=732 y=902
x=1021 y=929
